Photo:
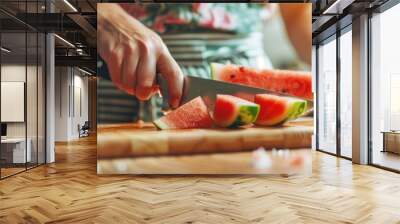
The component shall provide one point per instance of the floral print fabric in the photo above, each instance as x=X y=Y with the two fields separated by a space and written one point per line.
x=197 y=17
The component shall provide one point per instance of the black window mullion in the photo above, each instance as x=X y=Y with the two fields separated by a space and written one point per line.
x=45 y=94
x=37 y=90
x=316 y=96
x=26 y=87
x=45 y=86
x=369 y=100
x=73 y=92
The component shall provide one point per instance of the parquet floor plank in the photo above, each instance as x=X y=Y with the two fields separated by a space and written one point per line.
x=70 y=191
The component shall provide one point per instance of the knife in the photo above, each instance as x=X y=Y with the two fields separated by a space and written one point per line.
x=208 y=90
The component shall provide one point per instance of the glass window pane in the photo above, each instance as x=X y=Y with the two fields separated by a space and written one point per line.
x=31 y=97
x=346 y=94
x=41 y=98
x=23 y=86
x=13 y=85
x=385 y=86
x=32 y=88
x=327 y=97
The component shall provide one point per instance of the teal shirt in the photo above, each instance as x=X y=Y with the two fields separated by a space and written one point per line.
x=198 y=17
x=195 y=34
x=199 y=33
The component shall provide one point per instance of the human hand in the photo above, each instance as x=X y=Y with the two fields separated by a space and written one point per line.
x=134 y=54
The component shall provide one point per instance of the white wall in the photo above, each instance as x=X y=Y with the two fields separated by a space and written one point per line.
x=81 y=96
x=71 y=94
x=61 y=104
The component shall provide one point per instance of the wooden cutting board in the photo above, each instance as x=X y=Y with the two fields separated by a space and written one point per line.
x=140 y=140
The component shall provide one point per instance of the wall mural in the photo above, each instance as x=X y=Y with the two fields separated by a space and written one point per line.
x=200 y=88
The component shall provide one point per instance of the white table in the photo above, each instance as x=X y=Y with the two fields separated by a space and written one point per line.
x=18 y=149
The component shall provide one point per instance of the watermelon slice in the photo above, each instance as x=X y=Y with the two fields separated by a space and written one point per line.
x=231 y=111
x=193 y=114
x=293 y=83
x=276 y=110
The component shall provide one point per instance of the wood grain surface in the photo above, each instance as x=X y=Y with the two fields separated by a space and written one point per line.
x=285 y=162
x=133 y=140
x=139 y=148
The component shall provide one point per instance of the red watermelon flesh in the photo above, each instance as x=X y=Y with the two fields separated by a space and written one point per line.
x=231 y=111
x=275 y=110
x=193 y=114
x=294 y=83
x=224 y=110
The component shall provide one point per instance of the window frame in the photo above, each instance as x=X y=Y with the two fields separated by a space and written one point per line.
x=379 y=10
x=334 y=37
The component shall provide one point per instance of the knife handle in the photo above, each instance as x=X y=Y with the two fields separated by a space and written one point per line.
x=162 y=85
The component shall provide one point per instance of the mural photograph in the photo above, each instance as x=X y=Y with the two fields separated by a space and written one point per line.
x=204 y=88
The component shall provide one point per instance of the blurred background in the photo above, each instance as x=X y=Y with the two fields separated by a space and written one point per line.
x=252 y=34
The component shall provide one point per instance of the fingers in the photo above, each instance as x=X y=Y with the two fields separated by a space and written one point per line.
x=104 y=43
x=114 y=66
x=168 y=67
x=146 y=71
x=112 y=53
x=133 y=63
x=129 y=65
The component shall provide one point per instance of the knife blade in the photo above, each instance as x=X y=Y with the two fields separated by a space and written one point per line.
x=208 y=90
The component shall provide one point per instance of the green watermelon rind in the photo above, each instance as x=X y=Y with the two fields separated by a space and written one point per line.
x=215 y=70
x=247 y=114
x=295 y=109
x=160 y=124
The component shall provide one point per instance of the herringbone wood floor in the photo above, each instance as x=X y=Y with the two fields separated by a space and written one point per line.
x=69 y=191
